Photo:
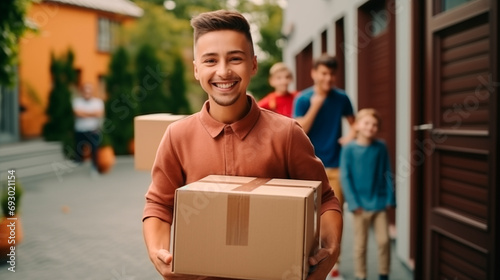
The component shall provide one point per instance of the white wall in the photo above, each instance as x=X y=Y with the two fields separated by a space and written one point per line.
x=403 y=124
x=309 y=19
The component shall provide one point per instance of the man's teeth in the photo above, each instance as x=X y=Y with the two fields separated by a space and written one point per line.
x=226 y=85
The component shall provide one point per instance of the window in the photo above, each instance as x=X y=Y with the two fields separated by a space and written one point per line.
x=107 y=34
x=450 y=4
x=379 y=20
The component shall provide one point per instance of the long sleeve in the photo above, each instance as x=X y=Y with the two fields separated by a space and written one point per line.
x=346 y=178
x=388 y=176
x=303 y=164
x=166 y=177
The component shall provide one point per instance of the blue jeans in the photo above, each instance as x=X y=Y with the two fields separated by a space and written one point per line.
x=91 y=139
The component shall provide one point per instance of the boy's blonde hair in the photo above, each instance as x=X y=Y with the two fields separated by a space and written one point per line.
x=369 y=112
x=279 y=67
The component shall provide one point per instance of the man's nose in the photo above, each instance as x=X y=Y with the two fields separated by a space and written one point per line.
x=224 y=70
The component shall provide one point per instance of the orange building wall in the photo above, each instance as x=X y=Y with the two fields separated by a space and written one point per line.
x=60 y=27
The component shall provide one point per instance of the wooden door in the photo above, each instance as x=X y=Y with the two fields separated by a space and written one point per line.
x=459 y=141
x=340 y=55
x=303 y=66
x=376 y=68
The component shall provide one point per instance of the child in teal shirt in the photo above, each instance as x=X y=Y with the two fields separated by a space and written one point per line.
x=368 y=190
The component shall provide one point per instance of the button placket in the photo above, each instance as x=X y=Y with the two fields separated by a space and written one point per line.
x=229 y=150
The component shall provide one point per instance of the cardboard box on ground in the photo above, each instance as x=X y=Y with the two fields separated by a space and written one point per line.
x=148 y=132
x=245 y=227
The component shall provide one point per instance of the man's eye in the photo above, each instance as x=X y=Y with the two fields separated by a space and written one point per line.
x=209 y=61
x=236 y=59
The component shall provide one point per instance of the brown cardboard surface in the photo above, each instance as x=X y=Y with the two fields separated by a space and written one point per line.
x=266 y=232
x=148 y=132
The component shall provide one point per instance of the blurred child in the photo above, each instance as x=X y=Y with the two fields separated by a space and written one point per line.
x=368 y=190
x=281 y=100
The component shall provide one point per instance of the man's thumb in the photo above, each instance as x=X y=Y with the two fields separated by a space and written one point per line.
x=318 y=257
x=164 y=256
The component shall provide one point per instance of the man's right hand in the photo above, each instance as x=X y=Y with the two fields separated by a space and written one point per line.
x=317 y=101
x=163 y=263
x=157 y=236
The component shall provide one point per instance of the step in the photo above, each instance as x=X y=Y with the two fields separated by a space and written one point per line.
x=32 y=160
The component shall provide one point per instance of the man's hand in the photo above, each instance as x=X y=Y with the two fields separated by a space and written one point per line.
x=307 y=120
x=163 y=263
x=325 y=258
x=317 y=101
x=157 y=236
x=322 y=262
x=351 y=134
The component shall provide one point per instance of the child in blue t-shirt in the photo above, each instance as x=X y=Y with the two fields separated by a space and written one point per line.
x=368 y=190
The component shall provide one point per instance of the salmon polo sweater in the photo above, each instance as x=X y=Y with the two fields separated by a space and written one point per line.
x=262 y=144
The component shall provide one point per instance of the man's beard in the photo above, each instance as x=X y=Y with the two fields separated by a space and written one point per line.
x=225 y=101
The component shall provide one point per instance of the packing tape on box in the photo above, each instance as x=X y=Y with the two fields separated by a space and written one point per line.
x=238 y=210
x=238 y=213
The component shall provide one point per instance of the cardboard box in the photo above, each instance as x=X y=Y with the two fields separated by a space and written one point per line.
x=245 y=227
x=148 y=132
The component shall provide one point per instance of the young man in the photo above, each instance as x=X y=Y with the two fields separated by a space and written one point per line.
x=319 y=110
x=231 y=135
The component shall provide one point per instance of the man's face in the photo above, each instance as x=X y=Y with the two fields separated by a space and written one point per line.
x=87 y=91
x=323 y=77
x=224 y=64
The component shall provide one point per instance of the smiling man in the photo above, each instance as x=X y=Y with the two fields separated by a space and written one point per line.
x=231 y=135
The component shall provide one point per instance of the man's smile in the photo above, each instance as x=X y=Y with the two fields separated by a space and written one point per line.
x=224 y=85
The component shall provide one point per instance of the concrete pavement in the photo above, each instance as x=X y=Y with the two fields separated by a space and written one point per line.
x=77 y=227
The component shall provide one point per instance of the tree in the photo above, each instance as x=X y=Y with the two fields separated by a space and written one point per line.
x=186 y=9
x=268 y=16
x=168 y=36
x=60 y=124
x=159 y=29
x=179 y=102
x=121 y=104
x=12 y=27
x=152 y=85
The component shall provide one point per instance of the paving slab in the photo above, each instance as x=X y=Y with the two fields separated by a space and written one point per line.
x=85 y=228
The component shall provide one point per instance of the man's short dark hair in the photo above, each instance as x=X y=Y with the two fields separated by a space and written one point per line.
x=220 y=20
x=326 y=60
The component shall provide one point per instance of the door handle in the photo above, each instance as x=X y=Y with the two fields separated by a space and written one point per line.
x=422 y=127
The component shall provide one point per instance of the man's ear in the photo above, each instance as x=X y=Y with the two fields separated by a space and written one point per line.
x=254 y=65
x=195 y=71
